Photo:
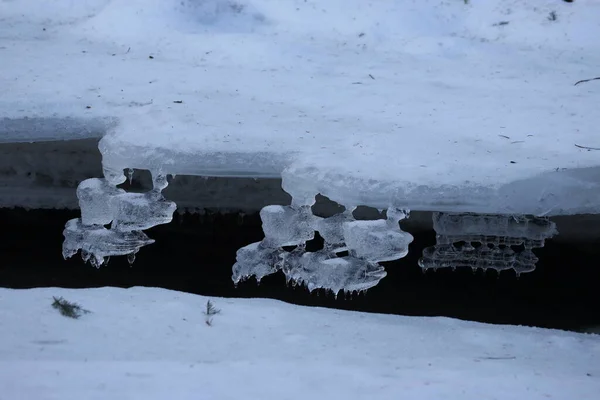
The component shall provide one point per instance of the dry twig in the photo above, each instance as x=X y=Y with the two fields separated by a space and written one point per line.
x=587 y=147
x=587 y=80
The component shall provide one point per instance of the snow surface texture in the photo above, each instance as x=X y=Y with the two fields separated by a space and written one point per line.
x=422 y=104
x=151 y=344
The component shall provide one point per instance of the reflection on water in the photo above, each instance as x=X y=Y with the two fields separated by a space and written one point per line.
x=486 y=241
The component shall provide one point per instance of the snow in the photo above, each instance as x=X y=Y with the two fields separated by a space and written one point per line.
x=429 y=104
x=151 y=343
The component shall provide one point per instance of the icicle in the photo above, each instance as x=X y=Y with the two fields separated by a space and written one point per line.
x=113 y=176
x=159 y=181
x=240 y=219
x=131 y=258
x=130 y=175
x=96 y=261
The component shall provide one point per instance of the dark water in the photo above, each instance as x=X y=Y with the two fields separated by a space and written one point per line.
x=195 y=254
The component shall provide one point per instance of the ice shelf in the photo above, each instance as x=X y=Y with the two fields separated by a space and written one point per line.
x=425 y=105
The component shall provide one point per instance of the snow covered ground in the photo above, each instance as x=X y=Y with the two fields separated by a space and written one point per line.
x=147 y=343
x=428 y=104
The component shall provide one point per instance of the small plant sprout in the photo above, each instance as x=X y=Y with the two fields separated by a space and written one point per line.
x=68 y=309
x=209 y=312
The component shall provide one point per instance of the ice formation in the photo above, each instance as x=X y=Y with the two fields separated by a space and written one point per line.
x=367 y=243
x=486 y=241
x=352 y=249
x=102 y=203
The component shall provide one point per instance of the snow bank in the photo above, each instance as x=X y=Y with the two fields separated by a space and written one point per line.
x=420 y=104
x=152 y=343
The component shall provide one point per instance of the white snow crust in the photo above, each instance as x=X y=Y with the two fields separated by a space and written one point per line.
x=428 y=104
x=147 y=343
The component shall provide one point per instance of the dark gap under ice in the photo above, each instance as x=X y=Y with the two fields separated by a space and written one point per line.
x=195 y=252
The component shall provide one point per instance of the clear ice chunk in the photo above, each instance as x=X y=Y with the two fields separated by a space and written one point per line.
x=139 y=211
x=368 y=242
x=159 y=181
x=287 y=226
x=96 y=242
x=113 y=176
x=395 y=215
x=319 y=270
x=332 y=230
x=378 y=240
x=94 y=200
x=101 y=203
x=256 y=260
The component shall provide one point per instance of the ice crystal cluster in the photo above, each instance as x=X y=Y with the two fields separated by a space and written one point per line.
x=366 y=242
x=113 y=220
x=103 y=204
